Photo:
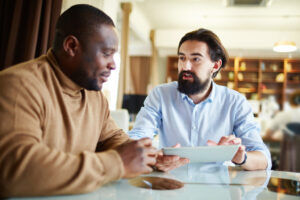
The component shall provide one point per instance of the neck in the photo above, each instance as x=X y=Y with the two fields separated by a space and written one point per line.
x=62 y=62
x=199 y=97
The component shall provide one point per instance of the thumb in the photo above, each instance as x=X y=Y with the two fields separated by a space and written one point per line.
x=177 y=145
x=211 y=143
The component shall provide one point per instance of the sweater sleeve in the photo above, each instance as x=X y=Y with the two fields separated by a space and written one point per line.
x=28 y=167
x=111 y=135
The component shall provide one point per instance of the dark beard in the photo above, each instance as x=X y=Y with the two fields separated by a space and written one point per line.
x=189 y=88
x=86 y=78
x=82 y=78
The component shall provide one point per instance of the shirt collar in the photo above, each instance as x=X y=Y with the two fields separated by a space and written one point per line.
x=68 y=86
x=210 y=97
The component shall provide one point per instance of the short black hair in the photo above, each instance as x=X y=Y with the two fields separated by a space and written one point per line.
x=80 y=21
x=216 y=49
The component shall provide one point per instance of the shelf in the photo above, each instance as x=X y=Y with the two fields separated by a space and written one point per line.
x=271 y=92
x=293 y=71
x=271 y=81
x=247 y=90
x=223 y=80
x=231 y=69
x=248 y=70
x=272 y=71
x=293 y=82
x=248 y=81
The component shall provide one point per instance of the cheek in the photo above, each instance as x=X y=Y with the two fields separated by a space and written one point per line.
x=100 y=64
x=179 y=67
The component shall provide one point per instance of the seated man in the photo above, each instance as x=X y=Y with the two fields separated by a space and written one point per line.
x=52 y=115
x=195 y=111
x=282 y=118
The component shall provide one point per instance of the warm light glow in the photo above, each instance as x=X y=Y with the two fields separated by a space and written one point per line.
x=285 y=46
x=110 y=88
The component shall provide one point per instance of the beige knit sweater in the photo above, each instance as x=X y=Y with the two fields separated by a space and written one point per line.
x=49 y=129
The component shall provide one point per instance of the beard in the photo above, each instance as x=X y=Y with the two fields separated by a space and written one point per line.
x=86 y=74
x=85 y=80
x=191 y=87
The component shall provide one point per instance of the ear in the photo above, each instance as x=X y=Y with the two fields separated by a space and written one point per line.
x=71 y=45
x=216 y=66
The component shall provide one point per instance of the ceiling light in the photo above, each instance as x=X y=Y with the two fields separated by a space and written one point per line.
x=285 y=46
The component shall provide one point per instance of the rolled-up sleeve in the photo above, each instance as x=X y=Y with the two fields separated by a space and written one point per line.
x=248 y=130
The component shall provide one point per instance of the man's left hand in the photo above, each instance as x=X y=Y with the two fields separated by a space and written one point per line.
x=231 y=140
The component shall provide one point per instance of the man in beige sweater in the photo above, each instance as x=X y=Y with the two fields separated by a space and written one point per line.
x=52 y=115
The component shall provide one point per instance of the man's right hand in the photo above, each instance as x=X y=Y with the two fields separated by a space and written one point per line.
x=138 y=156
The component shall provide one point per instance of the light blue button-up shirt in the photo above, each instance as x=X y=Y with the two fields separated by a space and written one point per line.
x=178 y=120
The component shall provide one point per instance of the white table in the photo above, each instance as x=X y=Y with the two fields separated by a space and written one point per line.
x=209 y=181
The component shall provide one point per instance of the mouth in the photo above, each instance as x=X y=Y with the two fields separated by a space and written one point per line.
x=187 y=76
x=104 y=76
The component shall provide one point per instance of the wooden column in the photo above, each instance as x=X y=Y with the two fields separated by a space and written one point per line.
x=153 y=68
x=124 y=82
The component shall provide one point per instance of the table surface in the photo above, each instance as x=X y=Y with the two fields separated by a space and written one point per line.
x=201 y=181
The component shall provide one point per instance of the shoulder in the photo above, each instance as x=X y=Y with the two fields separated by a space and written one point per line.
x=229 y=95
x=165 y=88
x=30 y=72
x=164 y=91
x=26 y=80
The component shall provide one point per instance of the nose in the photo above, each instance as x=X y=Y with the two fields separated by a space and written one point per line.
x=111 y=64
x=187 y=65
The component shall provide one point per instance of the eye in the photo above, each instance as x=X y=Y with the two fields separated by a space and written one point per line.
x=196 y=59
x=181 y=58
x=106 y=54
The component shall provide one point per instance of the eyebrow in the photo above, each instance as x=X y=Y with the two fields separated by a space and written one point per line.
x=109 y=49
x=193 y=54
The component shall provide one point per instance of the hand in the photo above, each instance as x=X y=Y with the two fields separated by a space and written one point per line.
x=168 y=162
x=138 y=157
x=231 y=140
x=226 y=140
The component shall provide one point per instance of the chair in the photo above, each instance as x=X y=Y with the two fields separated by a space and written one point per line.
x=290 y=148
x=121 y=117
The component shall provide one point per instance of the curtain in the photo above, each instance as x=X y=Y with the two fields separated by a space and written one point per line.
x=26 y=29
x=139 y=75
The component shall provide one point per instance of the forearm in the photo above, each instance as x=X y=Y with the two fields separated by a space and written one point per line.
x=32 y=169
x=256 y=160
x=112 y=142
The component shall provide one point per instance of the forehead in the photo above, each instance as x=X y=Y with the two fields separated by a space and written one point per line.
x=194 y=47
x=107 y=36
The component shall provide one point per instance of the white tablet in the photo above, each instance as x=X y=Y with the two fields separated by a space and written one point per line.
x=204 y=153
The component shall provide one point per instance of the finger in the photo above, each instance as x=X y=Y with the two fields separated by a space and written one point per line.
x=177 y=145
x=239 y=156
x=146 y=142
x=169 y=166
x=223 y=140
x=160 y=153
x=151 y=151
x=169 y=158
x=150 y=160
x=242 y=149
x=211 y=143
x=236 y=141
x=185 y=160
x=148 y=170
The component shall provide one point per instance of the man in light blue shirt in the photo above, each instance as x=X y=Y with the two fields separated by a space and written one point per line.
x=195 y=111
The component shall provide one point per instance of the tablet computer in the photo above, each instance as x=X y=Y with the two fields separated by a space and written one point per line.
x=204 y=153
